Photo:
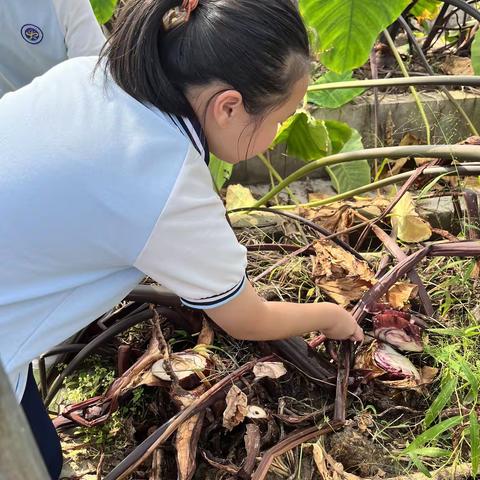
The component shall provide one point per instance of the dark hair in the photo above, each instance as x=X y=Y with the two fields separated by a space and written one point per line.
x=258 y=47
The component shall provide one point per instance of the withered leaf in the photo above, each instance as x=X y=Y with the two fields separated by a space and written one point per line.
x=388 y=366
x=407 y=224
x=345 y=279
x=236 y=409
x=428 y=374
x=186 y=442
x=239 y=196
x=339 y=216
x=399 y=295
x=319 y=458
x=269 y=369
x=339 y=274
x=455 y=65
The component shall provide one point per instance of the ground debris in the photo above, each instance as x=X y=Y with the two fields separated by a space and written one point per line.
x=357 y=453
x=345 y=278
x=236 y=408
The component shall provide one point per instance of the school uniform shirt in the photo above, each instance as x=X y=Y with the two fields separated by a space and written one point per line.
x=35 y=35
x=98 y=190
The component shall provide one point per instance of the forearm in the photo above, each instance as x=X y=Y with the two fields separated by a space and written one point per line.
x=250 y=318
x=277 y=320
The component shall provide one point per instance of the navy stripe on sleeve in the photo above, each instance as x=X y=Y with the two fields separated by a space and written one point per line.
x=217 y=300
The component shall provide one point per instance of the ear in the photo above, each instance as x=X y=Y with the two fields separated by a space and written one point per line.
x=227 y=106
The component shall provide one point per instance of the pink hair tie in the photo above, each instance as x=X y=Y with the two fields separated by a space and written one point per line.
x=189 y=6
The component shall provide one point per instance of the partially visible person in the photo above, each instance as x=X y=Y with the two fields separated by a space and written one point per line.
x=104 y=179
x=36 y=35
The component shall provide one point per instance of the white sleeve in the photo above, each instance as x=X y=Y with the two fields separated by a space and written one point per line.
x=192 y=249
x=83 y=34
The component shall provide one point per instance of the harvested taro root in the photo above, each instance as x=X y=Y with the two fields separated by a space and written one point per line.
x=399 y=330
x=188 y=367
x=381 y=362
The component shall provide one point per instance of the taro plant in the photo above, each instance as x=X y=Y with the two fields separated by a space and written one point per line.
x=345 y=30
x=343 y=34
x=104 y=9
x=308 y=139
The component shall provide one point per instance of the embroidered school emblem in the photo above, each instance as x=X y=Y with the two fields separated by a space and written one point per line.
x=32 y=34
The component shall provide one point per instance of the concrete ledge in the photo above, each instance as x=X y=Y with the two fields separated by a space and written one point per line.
x=398 y=114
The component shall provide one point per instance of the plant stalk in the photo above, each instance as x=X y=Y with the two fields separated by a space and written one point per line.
x=273 y=172
x=451 y=152
x=458 y=80
x=430 y=71
x=470 y=170
x=412 y=89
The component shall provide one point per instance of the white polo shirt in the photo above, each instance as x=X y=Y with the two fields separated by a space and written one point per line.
x=96 y=191
x=36 y=35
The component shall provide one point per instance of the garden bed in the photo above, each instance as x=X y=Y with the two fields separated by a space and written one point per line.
x=393 y=237
x=382 y=421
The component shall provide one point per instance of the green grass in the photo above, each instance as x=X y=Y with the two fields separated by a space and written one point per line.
x=448 y=433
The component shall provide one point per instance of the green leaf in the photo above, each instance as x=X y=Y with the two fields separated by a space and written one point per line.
x=305 y=137
x=468 y=332
x=104 y=9
x=474 y=442
x=476 y=54
x=441 y=400
x=425 y=9
x=346 y=30
x=220 y=170
x=463 y=369
x=350 y=175
x=310 y=139
x=431 y=452
x=420 y=465
x=433 y=433
x=343 y=138
x=334 y=98
x=430 y=185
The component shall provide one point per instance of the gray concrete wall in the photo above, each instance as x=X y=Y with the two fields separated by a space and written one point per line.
x=398 y=114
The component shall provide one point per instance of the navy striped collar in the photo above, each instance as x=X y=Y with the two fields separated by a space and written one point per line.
x=192 y=128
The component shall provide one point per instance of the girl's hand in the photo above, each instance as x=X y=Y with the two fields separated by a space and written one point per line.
x=341 y=325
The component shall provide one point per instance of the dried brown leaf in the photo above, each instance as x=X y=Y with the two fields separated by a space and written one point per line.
x=320 y=462
x=269 y=369
x=399 y=295
x=408 y=139
x=186 y=442
x=428 y=374
x=341 y=215
x=344 y=291
x=236 y=409
x=455 y=65
x=339 y=274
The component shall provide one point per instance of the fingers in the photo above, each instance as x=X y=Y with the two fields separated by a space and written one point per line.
x=358 y=335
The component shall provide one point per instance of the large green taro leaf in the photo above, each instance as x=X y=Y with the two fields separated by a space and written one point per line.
x=306 y=138
x=346 y=30
x=334 y=98
x=350 y=175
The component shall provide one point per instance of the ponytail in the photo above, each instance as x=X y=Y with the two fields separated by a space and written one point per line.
x=134 y=56
x=258 y=47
